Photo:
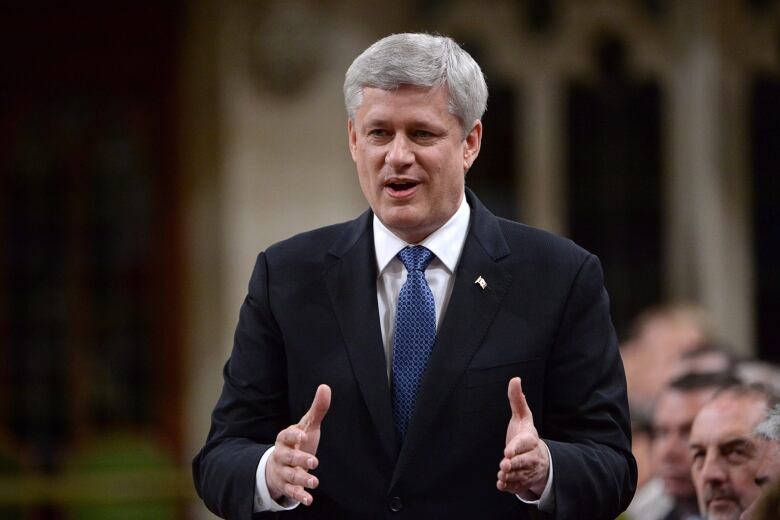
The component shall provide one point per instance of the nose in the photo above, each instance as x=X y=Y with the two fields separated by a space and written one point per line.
x=399 y=154
x=712 y=469
x=673 y=448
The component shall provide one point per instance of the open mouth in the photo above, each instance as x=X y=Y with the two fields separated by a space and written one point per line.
x=401 y=188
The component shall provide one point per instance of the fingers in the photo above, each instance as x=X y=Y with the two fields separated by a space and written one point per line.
x=520 y=473
x=520 y=409
x=530 y=478
x=319 y=407
x=292 y=436
x=523 y=472
x=519 y=467
x=312 y=420
x=519 y=484
x=521 y=443
x=287 y=456
x=525 y=465
x=293 y=482
x=297 y=493
x=298 y=477
x=287 y=470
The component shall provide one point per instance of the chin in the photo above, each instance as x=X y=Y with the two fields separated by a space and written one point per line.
x=405 y=217
x=724 y=513
x=402 y=223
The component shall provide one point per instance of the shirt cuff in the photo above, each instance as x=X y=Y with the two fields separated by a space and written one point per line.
x=546 y=502
x=263 y=500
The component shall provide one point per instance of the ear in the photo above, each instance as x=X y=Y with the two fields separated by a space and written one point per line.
x=352 y=135
x=471 y=145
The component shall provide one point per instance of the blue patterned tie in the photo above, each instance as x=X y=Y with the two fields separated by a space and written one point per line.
x=415 y=332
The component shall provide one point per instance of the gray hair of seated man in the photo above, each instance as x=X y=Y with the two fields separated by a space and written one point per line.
x=769 y=428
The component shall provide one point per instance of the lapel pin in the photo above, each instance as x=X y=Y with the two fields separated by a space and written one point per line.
x=481 y=282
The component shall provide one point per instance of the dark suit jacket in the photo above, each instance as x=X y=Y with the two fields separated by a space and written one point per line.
x=311 y=317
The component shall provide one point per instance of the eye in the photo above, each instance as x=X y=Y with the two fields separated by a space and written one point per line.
x=737 y=454
x=697 y=456
x=423 y=135
x=378 y=133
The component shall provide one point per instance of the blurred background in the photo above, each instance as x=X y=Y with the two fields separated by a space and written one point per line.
x=149 y=151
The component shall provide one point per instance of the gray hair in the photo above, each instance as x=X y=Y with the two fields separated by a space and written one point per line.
x=770 y=426
x=754 y=391
x=423 y=60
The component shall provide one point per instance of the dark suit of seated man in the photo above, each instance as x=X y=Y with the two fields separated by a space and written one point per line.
x=427 y=359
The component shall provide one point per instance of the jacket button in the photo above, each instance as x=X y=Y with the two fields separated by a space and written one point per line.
x=396 y=504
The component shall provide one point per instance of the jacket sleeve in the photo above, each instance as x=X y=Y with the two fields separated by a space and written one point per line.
x=586 y=422
x=252 y=408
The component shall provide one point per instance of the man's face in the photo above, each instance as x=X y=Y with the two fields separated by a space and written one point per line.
x=726 y=455
x=672 y=421
x=411 y=157
x=768 y=471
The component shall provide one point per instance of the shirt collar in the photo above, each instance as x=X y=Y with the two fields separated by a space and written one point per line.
x=446 y=242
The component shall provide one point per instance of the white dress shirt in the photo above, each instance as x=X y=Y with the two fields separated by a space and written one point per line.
x=446 y=243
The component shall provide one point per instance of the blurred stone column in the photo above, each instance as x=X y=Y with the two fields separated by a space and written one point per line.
x=542 y=192
x=199 y=156
x=708 y=243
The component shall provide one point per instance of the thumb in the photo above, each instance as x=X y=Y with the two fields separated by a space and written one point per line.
x=319 y=407
x=520 y=409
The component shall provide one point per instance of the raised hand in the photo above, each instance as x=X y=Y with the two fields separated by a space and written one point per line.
x=294 y=455
x=526 y=463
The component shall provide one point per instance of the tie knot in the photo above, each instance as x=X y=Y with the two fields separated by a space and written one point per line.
x=415 y=258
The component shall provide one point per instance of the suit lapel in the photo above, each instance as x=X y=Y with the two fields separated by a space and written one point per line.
x=351 y=283
x=470 y=312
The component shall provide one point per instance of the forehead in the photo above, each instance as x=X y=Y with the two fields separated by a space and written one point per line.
x=727 y=417
x=681 y=405
x=405 y=102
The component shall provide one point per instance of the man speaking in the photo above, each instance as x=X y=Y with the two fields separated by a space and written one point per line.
x=428 y=359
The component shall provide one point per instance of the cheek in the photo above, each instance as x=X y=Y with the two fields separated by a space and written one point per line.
x=456 y=184
x=368 y=155
x=365 y=178
x=368 y=165
x=741 y=481
x=747 y=475
x=659 y=448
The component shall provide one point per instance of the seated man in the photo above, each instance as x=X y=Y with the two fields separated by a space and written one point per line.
x=674 y=413
x=725 y=453
x=769 y=469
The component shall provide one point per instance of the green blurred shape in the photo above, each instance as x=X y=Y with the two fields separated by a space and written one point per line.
x=9 y=467
x=131 y=479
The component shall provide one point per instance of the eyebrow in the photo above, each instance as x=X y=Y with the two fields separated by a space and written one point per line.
x=414 y=123
x=739 y=442
x=733 y=443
